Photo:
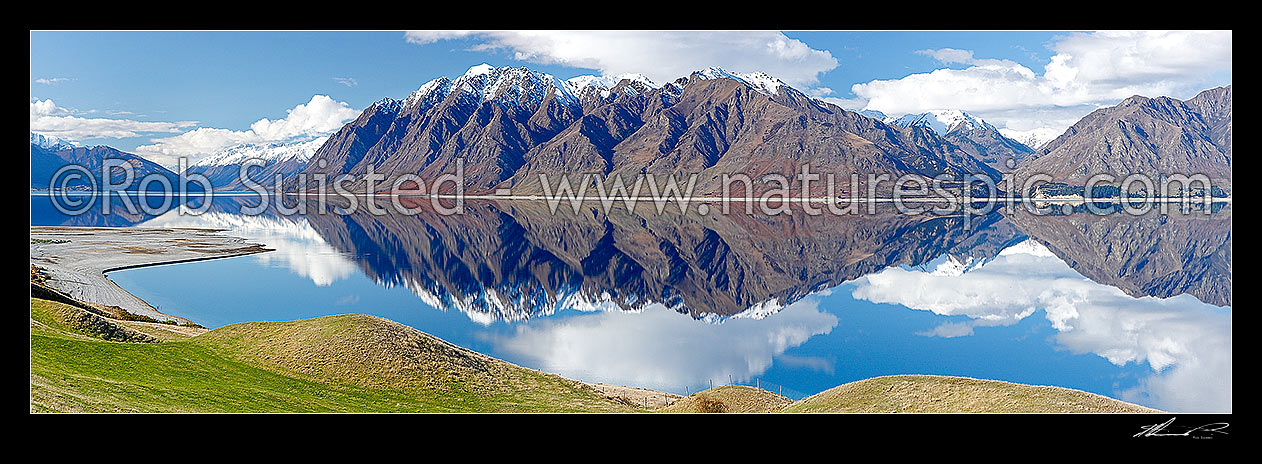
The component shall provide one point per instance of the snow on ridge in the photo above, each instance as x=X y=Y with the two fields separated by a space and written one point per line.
x=509 y=85
x=518 y=86
x=757 y=80
x=1033 y=138
x=49 y=142
x=429 y=94
x=388 y=103
x=760 y=310
x=1028 y=247
x=941 y=121
x=952 y=266
x=608 y=82
x=273 y=151
x=604 y=84
x=766 y=82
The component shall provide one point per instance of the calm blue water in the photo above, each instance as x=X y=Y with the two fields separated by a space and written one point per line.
x=1136 y=308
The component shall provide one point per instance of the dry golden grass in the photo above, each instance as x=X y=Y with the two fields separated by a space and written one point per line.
x=942 y=394
x=54 y=316
x=729 y=398
x=337 y=363
x=360 y=350
x=377 y=353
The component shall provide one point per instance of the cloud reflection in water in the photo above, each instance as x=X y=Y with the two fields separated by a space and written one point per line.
x=1187 y=343
x=660 y=348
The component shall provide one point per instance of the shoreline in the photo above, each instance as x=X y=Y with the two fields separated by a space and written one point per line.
x=74 y=246
x=73 y=259
x=701 y=199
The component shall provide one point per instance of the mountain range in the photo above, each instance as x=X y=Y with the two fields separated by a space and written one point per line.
x=49 y=154
x=504 y=127
x=978 y=138
x=509 y=125
x=282 y=159
x=1144 y=135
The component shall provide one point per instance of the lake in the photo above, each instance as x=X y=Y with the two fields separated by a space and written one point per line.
x=1132 y=307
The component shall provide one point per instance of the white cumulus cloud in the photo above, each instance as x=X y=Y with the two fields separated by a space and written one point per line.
x=949 y=55
x=1088 y=70
x=320 y=116
x=663 y=56
x=49 y=119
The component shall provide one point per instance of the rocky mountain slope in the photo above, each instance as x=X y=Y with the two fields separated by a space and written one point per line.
x=277 y=158
x=48 y=142
x=505 y=126
x=46 y=160
x=1144 y=135
x=976 y=137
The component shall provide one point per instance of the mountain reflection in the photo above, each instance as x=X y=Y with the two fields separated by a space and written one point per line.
x=670 y=300
x=1149 y=255
x=514 y=261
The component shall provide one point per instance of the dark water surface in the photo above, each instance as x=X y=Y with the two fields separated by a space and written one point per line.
x=1133 y=307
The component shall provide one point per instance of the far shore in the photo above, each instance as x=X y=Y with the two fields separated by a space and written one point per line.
x=1059 y=199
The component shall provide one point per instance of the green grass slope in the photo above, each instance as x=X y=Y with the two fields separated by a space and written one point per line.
x=82 y=361
x=942 y=394
x=338 y=363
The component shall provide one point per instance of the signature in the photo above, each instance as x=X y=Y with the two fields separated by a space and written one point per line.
x=1165 y=430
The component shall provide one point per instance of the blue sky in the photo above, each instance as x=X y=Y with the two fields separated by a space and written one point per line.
x=229 y=80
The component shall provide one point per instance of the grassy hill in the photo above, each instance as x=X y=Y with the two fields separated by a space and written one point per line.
x=942 y=394
x=337 y=363
x=730 y=398
x=86 y=359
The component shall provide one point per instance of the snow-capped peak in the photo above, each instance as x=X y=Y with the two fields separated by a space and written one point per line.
x=1033 y=138
x=508 y=85
x=482 y=83
x=953 y=266
x=1028 y=247
x=48 y=142
x=941 y=121
x=388 y=104
x=757 y=80
x=269 y=152
x=877 y=115
x=479 y=70
x=605 y=84
x=429 y=94
x=766 y=82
